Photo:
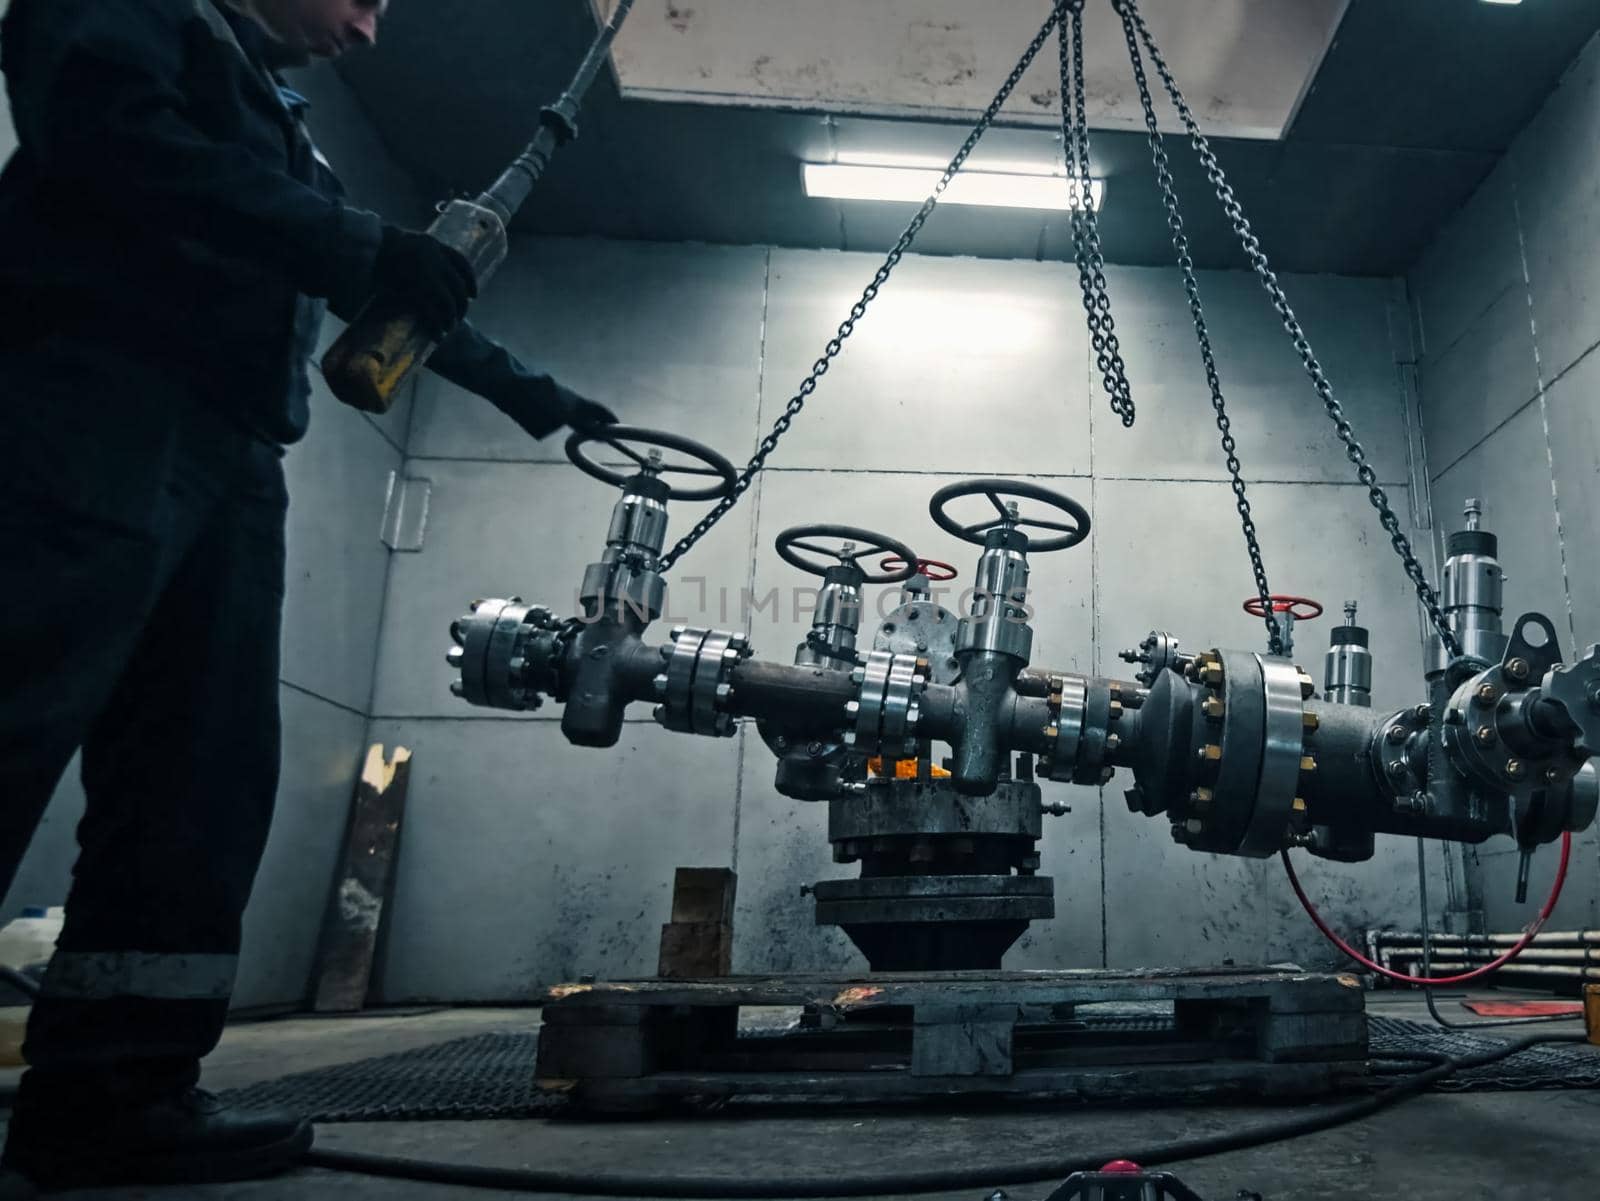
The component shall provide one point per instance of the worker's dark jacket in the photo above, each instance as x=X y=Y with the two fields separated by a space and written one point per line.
x=167 y=205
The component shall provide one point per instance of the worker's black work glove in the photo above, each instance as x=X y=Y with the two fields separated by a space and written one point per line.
x=431 y=279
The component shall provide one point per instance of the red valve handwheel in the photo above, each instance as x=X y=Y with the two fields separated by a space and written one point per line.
x=1286 y=604
x=925 y=567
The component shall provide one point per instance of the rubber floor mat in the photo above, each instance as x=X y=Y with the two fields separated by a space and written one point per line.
x=491 y=1076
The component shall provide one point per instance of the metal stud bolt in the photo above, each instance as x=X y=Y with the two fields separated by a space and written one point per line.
x=1516 y=768
x=1517 y=669
x=1484 y=736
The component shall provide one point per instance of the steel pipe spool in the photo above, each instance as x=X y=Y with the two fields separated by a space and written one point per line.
x=1235 y=748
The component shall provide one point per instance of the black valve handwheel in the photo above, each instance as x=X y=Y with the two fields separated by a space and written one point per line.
x=804 y=538
x=1066 y=535
x=625 y=438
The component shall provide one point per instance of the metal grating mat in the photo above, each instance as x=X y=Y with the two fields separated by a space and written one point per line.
x=1556 y=1066
x=491 y=1076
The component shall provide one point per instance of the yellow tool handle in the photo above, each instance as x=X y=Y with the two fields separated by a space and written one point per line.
x=372 y=360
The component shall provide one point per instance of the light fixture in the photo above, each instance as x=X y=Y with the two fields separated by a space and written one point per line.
x=912 y=178
x=1502 y=1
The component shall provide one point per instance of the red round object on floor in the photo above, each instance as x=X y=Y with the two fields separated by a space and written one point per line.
x=1122 y=1167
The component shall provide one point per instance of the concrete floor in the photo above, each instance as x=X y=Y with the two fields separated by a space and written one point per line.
x=1439 y=1147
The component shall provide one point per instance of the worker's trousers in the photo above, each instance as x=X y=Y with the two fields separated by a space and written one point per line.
x=141 y=554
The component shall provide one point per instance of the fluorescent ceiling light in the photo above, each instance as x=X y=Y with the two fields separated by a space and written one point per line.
x=905 y=178
x=1502 y=1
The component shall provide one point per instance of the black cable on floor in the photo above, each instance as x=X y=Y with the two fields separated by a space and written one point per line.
x=1427 y=966
x=924 y=1181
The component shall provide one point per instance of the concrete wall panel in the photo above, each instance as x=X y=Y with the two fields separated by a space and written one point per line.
x=1574 y=416
x=338 y=565
x=1279 y=423
x=965 y=365
x=668 y=336
x=1475 y=257
x=1558 y=180
x=526 y=862
x=1481 y=381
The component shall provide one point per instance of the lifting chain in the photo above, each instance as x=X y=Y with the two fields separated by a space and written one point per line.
x=1191 y=285
x=1133 y=22
x=858 y=310
x=1096 y=300
x=1086 y=222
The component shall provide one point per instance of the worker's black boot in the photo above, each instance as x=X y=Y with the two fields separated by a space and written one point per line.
x=186 y=1137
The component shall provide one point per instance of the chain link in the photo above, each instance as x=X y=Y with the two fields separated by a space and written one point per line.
x=1086 y=222
x=858 y=310
x=1191 y=285
x=1129 y=10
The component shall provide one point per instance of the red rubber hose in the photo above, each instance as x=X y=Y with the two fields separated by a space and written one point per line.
x=1432 y=981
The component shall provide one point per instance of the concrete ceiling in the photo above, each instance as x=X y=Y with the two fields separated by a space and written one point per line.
x=1245 y=63
x=1410 y=108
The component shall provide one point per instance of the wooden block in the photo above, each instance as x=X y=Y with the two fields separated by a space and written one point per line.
x=355 y=918
x=704 y=895
x=962 y=1040
x=695 y=950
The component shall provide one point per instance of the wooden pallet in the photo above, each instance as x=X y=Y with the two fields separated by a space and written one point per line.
x=645 y=1045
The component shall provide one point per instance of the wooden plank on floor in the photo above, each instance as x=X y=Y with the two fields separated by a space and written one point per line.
x=355 y=917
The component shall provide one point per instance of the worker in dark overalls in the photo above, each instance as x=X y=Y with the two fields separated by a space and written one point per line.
x=169 y=239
